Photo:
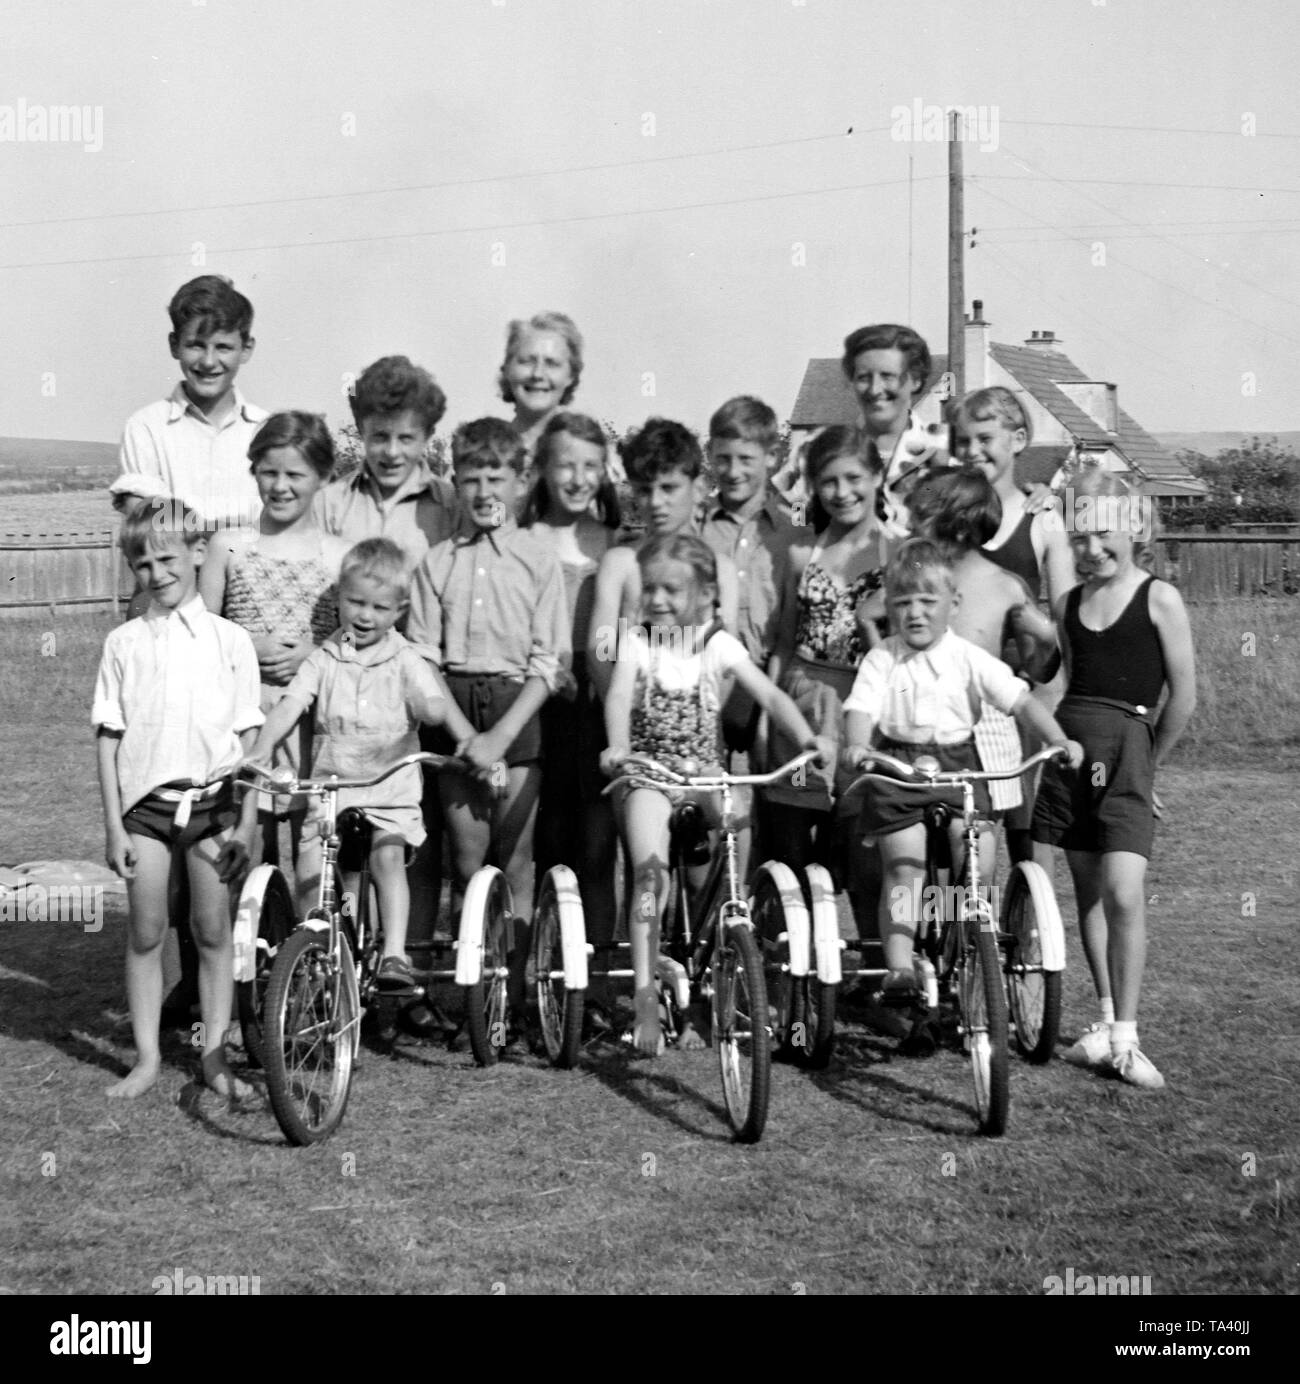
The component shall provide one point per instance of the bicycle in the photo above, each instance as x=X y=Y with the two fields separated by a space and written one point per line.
x=708 y=945
x=959 y=950
x=303 y=989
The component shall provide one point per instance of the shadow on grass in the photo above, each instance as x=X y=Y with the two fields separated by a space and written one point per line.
x=633 y=1080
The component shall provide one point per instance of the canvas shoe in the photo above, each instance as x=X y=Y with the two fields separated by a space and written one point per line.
x=1135 y=1067
x=1092 y=1049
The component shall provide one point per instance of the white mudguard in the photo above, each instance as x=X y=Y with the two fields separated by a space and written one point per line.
x=1051 y=931
x=573 y=926
x=248 y=918
x=473 y=920
x=825 y=924
x=798 y=928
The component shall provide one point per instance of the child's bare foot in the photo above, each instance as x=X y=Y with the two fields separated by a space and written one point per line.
x=691 y=1039
x=136 y=1082
x=218 y=1077
x=647 y=1031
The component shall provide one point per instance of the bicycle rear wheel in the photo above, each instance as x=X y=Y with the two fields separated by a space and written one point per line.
x=815 y=999
x=741 y=1031
x=559 y=1008
x=1035 y=955
x=781 y=926
x=311 y=1019
x=983 y=1004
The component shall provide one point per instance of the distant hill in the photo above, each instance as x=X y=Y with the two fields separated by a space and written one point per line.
x=1211 y=443
x=32 y=464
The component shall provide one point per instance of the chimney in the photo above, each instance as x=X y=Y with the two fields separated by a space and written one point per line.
x=1045 y=340
x=976 y=342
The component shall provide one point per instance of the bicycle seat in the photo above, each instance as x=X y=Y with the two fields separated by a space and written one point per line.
x=690 y=833
x=355 y=831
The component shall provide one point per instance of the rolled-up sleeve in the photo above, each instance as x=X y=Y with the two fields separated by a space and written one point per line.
x=106 y=710
x=424 y=699
x=424 y=625
x=552 y=644
x=248 y=683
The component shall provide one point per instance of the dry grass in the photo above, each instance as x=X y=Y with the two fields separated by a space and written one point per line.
x=619 y=1176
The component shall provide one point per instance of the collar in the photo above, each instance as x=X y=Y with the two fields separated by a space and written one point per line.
x=935 y=657
x=468 y=532
x=345 y=651
x=769 y=510
x=420 y=480
x=190 y=615
x=178 y=405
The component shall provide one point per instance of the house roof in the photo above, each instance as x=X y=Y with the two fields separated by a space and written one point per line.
x=826 y=398
x=1039 y=370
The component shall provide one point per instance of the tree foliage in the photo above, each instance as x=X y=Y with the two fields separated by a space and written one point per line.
x=1256 y=483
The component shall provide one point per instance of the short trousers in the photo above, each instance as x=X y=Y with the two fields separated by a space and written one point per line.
x=485 y=698
x=389 y=819
x=155 y=817
x=818 y=690
x=1106 y=804
x=886 y=809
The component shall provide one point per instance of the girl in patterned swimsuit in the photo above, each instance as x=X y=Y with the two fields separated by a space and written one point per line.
x=280 y=583
x=665 y=700
x=834 y=597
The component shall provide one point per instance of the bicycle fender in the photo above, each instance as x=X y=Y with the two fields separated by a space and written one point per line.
x=248 y=918
x=798 y=928
x=825 y=924
x=573 y=927
x=1051 y=931
x=469 y=944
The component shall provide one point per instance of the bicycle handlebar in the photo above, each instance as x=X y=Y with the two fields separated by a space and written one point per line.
x=254 y=777
x=705 y=781
x=907 y=775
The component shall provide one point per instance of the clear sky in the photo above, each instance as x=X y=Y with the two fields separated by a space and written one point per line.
x=406 y=176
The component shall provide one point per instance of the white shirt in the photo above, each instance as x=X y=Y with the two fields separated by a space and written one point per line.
x=930 y=696
x=203 y=465
x=180 y=685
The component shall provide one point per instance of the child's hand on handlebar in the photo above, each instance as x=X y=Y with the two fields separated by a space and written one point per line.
x=825 y=748
x=1073 y=751
x=611 y=761
x=855 y=758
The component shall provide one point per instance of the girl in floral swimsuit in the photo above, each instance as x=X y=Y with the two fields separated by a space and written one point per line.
x=665 y=701
x=280 y=583
x=834 y=597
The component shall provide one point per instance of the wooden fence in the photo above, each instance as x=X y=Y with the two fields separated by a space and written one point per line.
x=62 y=571
x=51 y=571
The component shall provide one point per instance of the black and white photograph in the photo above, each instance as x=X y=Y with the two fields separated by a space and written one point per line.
x=650 y=647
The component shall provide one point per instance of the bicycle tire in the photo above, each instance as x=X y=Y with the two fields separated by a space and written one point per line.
x=559 y=1008
x=1033 y=992
x=275 y=922
x=815 y=1000
x=983 y=1004
x=777 y=909
x=483 y=924
x=312 y=1012
x=742 y=1031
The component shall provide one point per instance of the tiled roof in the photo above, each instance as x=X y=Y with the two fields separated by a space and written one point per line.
x=825 y=397
x=1036 y=465
x=1038 y=370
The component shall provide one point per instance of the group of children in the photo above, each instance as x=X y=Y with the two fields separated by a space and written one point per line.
x=331 y=626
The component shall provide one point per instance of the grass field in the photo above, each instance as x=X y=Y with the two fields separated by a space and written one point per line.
x=620 y=1177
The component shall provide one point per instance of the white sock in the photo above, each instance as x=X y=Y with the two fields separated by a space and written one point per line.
x=1123 y=1035
x=1108 y=1010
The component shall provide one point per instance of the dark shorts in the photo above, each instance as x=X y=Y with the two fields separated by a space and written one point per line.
x=155 y=818
x=485 y=698
x=1106 y=804
x=886 y=809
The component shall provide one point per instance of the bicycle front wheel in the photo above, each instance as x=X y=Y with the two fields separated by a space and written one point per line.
x=984 y=1023
x=311 y=1016
x=483 y=932
x=559 y=1008
x=271 y=918
x=1035 y=953
x=742 y=1031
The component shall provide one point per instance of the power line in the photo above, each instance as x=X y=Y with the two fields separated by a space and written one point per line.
x=1150 y=129
x=1164 y=283
x=487 y=226
x=1137 y=182
x=1216 y=221
x=437 y=187
x=1250 y=283
x=1134 y=235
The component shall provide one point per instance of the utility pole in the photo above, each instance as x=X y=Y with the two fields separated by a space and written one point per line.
x=956 y=270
